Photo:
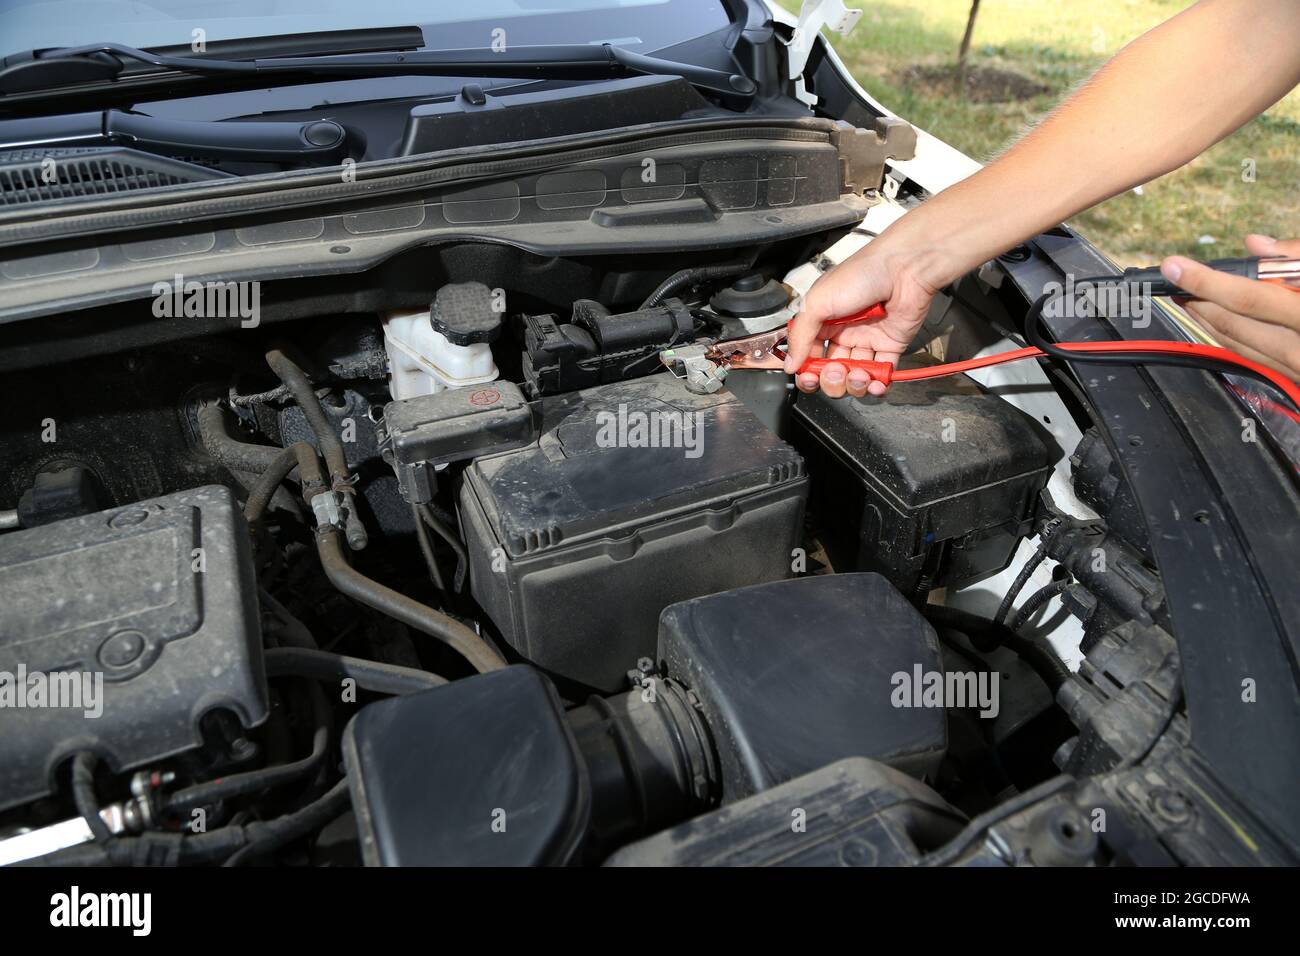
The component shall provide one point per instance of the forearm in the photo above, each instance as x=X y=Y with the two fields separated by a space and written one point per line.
x=1161 y=101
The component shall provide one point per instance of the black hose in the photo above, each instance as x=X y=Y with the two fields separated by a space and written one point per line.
x=374 y=676
x=430 y=517
x=254 y=781
x=330 y=444
x=263 y=836
x=692 y=276
x=171 y=849
x=946 y=634
x=1019 y=583
x=1036 y=601
x=83 y=795
x=426 y=549
x=291 y=630
x=1039 y=655
x=299 y=455
x=236 y=455
x=412 y=613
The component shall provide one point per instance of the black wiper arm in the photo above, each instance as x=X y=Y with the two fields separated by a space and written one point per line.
x=103 y=61
x=311 y=141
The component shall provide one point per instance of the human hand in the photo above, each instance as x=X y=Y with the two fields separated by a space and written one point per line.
x=1258 y=320
x=878 y=273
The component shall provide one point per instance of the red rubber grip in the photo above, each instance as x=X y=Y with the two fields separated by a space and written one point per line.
x=877 y=311
x=879 y=371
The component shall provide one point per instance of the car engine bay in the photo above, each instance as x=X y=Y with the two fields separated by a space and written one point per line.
x=368 y=495
x=496 y=556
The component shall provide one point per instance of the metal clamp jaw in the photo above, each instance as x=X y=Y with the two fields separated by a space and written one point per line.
x=693 y=364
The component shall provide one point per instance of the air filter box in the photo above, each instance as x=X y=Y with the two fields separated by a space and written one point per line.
x=932 y=484
x=635 y=496
x=793 y=675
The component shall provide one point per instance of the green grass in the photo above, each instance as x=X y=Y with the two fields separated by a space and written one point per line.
x=1059 y=44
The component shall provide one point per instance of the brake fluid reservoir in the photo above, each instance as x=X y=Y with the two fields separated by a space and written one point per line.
x=448 y=346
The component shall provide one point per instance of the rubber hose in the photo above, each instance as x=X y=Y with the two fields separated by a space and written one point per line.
x=257 y=837
x=83 y=795
x=430 y=518
x=253 y=781
x=331 y=445
x=299 y=455
x=412 y=613
x=292 y=630
x=1037 y=654
x=234 y=454
x=263 y=836
x=373 y=676
x=283 y=499
x=688 y=277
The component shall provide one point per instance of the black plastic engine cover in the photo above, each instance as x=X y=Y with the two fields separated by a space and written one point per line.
x=794 y=675
x=932 y=483
x=157 y=603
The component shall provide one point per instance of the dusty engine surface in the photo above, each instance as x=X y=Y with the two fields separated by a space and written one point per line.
x=135 y=625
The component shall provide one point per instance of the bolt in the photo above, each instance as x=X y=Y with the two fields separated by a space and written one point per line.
x=1171 y=805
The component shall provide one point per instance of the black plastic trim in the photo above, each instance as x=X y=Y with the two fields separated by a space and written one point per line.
x=1222 y=519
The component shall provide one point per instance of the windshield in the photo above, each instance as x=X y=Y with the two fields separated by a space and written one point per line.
x=651 y=24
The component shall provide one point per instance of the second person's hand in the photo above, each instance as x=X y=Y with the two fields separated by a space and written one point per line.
x=1254 y=319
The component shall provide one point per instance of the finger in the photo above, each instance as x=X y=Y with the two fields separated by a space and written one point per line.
x=805 y=381
x=1271 y=345
x=833 y=380
x=878 y=387
x=859 y=379
x=804 y=333
x=1245 y=351
x=835 y=377
x=1258 y=245
x=1274 y=340
x=1248 y=297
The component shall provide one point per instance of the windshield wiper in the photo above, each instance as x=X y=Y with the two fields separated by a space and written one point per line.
x=41 y=70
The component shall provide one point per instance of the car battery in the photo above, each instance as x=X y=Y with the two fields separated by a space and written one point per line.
x=635 y=496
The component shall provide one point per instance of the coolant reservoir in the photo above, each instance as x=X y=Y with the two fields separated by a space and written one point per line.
x=448 y=346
